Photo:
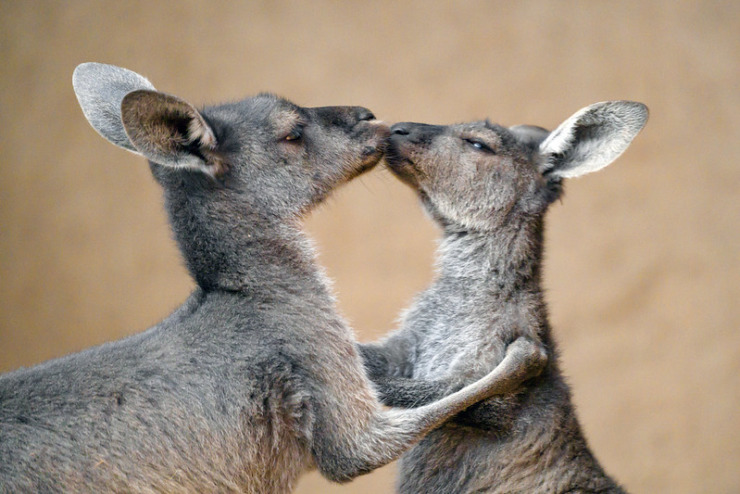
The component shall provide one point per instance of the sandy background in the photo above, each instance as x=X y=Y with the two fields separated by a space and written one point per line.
x=642 y=258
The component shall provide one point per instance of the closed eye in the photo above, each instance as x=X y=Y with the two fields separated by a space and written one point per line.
x=480 y=146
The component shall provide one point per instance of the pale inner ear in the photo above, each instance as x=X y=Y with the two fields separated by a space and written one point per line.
x=592 y=138
x=168 y=130
x=199 y=131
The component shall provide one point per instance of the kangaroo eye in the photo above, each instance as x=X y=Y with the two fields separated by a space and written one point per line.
x=295 y=134
x=479 y=145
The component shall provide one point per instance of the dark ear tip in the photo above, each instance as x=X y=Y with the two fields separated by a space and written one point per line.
x=137 y=96
x=131 y=106
x=145 y=104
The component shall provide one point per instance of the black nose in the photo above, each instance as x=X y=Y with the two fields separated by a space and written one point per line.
x=363 y=114
x=400 y=129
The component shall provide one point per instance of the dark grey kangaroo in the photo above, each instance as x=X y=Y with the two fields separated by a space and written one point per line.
x=255 y=378
x=489 y=187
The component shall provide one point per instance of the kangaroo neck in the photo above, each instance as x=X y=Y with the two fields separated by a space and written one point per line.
x=506 y=260
x=275 y=259
x=248 y=253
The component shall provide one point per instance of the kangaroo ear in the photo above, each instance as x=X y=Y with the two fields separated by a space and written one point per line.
x=168 y=131
x=100 y=88
x=592 y=138
x=531 y=135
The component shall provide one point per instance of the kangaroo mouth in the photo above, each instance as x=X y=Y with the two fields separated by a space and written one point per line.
x=377 y=133
x=399 y=161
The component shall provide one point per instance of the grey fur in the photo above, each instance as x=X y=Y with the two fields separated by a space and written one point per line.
x=489 y=188
x=255 y=378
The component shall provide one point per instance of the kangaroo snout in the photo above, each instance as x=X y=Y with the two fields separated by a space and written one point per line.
x=363 y=114
x=417 y=133
x=409 y=140
x=374 y=135
x=343 y=116
x=401 y=129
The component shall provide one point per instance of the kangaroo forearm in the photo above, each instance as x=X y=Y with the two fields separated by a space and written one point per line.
x=390 y=433
x=524 y=361
x=407 y=392
x=384 y=359
x=375 y=359
x=494 y=414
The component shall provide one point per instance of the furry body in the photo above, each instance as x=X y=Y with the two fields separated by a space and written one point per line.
x=489 y=187
x=256 y=378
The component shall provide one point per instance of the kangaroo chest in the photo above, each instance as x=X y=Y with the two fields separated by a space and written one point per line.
x=457 y=337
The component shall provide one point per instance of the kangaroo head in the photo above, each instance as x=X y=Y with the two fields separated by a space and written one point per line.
x=233 y=170
x=481 y=176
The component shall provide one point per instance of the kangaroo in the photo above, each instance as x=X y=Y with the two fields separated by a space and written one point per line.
x=255 y=379
x=488 y=187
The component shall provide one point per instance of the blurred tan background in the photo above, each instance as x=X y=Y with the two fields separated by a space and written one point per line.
x=642 y=266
